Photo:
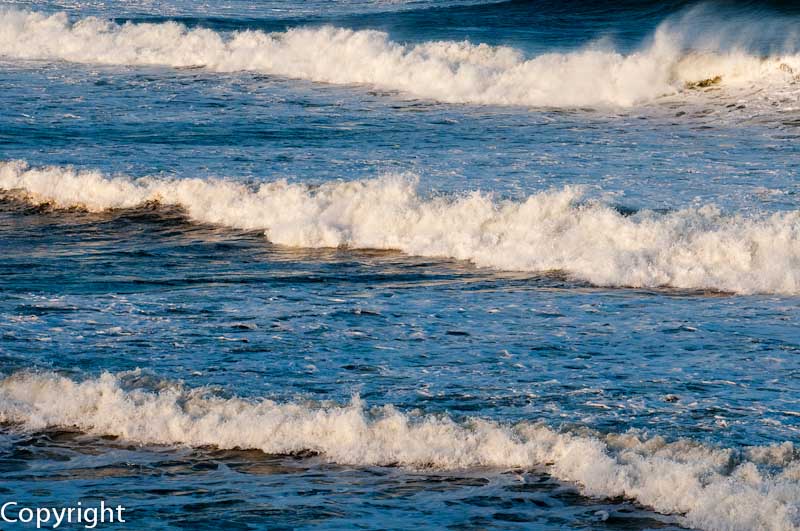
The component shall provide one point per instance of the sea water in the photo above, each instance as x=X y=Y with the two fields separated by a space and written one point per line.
x=402 y=264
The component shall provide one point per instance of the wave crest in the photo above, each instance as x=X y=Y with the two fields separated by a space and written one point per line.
x=712 y=488
x=452 y=72
x=692 y=248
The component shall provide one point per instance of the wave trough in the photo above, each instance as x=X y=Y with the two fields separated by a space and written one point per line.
x=693 y=248
x=446 y=71
x=712 y=488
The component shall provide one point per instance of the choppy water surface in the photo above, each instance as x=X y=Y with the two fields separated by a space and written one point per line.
x=391 y=265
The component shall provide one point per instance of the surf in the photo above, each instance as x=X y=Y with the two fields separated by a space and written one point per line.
x=698 y=247
x=709 y=487
x=444 y=71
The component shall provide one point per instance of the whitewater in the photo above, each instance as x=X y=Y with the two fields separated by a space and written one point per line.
x=712 y=488
x=698 y=248
x=451 y=72
x=407 y=265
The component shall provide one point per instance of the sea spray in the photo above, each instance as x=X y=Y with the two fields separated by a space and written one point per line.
x=446 y=71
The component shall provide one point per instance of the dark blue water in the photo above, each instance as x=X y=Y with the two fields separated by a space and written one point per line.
x=391 y=265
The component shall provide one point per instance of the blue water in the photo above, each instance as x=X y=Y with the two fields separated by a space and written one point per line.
x=176 y=298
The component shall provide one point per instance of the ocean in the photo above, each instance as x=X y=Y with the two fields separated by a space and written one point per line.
x=401 y=264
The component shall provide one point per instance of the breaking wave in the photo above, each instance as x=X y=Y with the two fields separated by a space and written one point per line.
x=452 y=72
x=710 y=488
x=692 y=248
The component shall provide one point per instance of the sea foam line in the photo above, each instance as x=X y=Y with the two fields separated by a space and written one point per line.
x=693 y=248
x=711 y=488
x=446 y=71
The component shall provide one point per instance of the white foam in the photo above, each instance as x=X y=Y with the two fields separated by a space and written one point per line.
x=454 y=72
x=693 y=248
x=712 y=488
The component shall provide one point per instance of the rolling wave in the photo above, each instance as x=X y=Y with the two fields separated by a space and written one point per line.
x=446 y=71
x=693 y=248
x=711 y=488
